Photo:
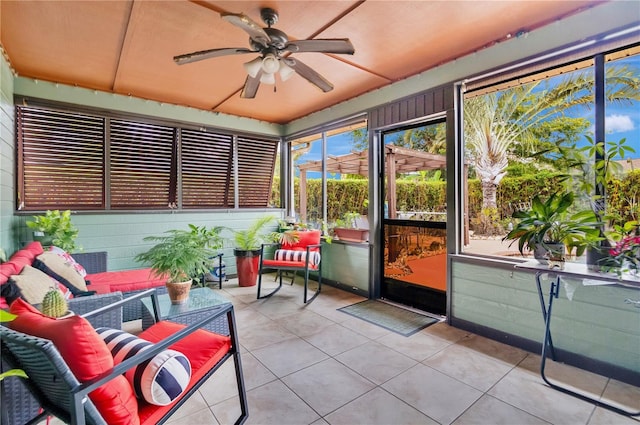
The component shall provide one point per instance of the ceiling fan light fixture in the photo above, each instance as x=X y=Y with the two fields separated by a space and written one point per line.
x=285 y=71
x=270 y=63
x=253 y=67
x=268 y=78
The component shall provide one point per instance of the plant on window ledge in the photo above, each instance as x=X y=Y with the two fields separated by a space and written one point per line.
x=346 y=228
x=624 y=255
x=55 y=228
x=547 y=225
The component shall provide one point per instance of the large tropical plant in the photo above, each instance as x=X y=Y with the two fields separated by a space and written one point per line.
x=252 y=237
x=549 y=222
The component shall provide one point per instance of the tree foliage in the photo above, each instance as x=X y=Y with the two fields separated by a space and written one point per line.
x=507 y=124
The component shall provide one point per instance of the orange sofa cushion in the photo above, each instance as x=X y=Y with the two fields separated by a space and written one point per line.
x=124 y=281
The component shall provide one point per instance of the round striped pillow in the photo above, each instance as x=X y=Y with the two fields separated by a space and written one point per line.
x=159 y=380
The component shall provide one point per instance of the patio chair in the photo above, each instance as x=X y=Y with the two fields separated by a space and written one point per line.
x=61 y=394
x=302 y=254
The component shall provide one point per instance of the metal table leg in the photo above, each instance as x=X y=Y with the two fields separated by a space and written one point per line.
x=547 y=346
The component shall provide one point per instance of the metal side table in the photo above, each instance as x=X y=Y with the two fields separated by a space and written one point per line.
x=579 y=272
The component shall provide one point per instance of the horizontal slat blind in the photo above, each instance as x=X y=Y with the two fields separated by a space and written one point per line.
x=69 y=158
x=256 y=160
x=61 y=156
x=207 y=160
x=140 y=165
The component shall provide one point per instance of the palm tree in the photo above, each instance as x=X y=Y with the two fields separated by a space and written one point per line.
x=495 y=122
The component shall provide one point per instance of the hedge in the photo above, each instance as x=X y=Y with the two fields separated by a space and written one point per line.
x=351 y=195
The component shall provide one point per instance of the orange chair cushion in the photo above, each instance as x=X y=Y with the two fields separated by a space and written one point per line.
x=305 y=238
x=204 y=350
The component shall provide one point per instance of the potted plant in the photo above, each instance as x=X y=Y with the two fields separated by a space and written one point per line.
x=182 y=256
x=55 y=228
x=346 y=229
x=547 y=228
x=247 y=250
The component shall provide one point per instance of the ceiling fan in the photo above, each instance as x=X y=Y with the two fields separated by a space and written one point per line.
x=274 y=48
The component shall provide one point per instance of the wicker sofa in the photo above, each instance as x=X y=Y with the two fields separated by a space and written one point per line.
x=98 y=279
x=65 y=396
x=19 y=406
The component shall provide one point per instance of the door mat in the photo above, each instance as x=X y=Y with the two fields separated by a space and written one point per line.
x=388 y=316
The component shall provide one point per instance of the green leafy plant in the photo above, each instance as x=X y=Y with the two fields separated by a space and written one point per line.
x=350 y=219
x=549 y=222
x=285 y=237
x=58 y=227
x=183 y=254
x=54 y=304
x=251 y=238
x=5 y=316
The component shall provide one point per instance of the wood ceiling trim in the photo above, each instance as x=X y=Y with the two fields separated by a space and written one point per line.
x=123 y=45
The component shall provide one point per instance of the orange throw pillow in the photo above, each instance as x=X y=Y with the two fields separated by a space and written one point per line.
x=87 y=356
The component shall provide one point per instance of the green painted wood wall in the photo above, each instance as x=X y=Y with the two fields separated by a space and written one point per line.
x=121 y=235
x=347 y=264
x=7 y=157
x=596 y=322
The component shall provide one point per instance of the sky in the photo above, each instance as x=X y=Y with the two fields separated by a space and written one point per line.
x=621 y=121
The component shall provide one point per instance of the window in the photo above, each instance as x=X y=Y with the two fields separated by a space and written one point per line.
x=343 y=188
x=206 y=157
x=81 y=160
x=256 y=159
x=61 y=157
x=140 y=165
x=523 y=137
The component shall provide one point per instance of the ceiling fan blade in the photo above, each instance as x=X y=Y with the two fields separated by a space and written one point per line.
x=328 y=45
x=251 y=86
x=255 y=31
x=212 y=53
x=309 y=74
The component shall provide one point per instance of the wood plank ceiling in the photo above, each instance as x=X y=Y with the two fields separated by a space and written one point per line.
x=126 y=47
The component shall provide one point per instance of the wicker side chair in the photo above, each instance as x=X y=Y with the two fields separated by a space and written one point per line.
x=59 y=392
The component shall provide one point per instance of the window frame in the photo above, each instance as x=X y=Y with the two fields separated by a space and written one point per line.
x=554 y=63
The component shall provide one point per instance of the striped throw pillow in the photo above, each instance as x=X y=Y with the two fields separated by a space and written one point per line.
x=159 y=380
x=298 y=256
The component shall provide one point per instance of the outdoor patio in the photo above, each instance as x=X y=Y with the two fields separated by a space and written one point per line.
x=316 y=365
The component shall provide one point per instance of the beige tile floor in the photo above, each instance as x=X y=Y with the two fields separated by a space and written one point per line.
x=315 y=365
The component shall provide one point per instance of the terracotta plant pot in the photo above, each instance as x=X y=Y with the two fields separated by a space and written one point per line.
x=247 y=264
x=351 y=234
x=178 y=291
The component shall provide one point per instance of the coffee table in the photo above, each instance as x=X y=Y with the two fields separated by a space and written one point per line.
x=201 y=302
